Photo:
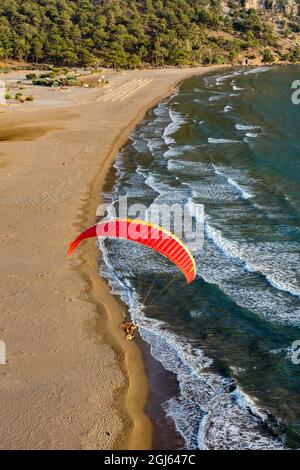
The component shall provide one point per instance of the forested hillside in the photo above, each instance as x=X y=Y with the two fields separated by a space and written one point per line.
x=133 y=33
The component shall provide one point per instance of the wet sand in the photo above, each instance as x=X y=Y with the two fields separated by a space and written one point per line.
x=71 y=381
x=163 y=385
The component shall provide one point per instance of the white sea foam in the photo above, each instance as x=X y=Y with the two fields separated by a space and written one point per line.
x=161 y=109
x=251 y=135
x=176 y=122
x=212 y=189
x=212 y=140
x=286 y=352
x=243 y=127
x=244 y=191
x=237 y=370
x=140 y=145
x=282 y=283
x=154 y=144
x=217 y=97
x=235 y=87
x=240 y=430
x=189 y=167
x=219 y=79
x=230 y=248
x=227 y=109
x=245 y=194
x=178 y=151
x=232 y=277
x=173 y=152
x=157 y=183
x=271 y=305
x=259 y=258
x=257 y=70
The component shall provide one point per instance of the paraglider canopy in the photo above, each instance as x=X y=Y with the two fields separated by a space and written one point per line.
x=148 y=234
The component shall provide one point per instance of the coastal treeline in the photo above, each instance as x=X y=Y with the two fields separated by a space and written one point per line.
x=130 y=33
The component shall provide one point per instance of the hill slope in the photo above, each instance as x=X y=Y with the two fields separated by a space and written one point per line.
x=132 y=33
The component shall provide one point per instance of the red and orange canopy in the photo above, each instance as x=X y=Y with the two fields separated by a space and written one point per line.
x=147 y=234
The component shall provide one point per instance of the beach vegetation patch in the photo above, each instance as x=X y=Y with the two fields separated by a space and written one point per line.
x=267 y=56
x=18 y=96
x=30 y=76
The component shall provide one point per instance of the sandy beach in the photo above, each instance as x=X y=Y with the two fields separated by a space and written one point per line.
x=70 y=381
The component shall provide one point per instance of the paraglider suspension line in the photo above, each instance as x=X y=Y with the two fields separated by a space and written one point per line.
x=149 y=291
x=165 y=288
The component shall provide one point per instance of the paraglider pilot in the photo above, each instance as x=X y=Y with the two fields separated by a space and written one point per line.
x=130 y=329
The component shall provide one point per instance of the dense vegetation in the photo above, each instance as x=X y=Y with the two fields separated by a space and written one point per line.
x=127 y=33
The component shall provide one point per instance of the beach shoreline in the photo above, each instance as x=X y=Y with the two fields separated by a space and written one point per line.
x=95 y=397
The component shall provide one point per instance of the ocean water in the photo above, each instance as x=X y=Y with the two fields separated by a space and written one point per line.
x=230 y=141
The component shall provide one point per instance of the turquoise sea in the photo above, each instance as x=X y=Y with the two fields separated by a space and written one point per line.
x=229 y=140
